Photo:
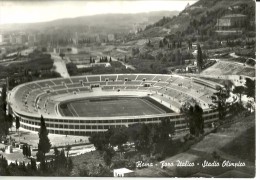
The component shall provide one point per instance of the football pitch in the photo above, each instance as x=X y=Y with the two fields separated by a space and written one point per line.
x=112 y=106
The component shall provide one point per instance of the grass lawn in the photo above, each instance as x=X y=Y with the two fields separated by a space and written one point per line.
x=109 y=107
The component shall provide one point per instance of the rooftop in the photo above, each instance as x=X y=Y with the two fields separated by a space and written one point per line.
x=123 y=171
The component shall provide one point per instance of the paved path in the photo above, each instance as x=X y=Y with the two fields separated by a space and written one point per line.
x=60 y=65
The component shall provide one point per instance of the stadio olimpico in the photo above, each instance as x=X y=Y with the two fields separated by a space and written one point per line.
x=164 y=93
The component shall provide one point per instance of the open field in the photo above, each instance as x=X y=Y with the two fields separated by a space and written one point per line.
x=229 y=68
x=109 y=107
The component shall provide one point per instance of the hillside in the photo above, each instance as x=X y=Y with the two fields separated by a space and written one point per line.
x=199 y=18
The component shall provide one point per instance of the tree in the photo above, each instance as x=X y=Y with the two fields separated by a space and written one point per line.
x=56 y=151
x=250 y=88
x=70 y=164
x=107 y=156
x=3 y=93
x=228 y=86
x=239 y=90
x=24 y=150
x=165 y=130
x=199 y=121
x=178 y=57
x=40 y=156
x=99 y=140
x=9 y=120
x=154 y=138
x=17 y=122
x=61 y=159
x=33 y=164
x=142 y=143
x=222 y=96
x=3 y=166
x=62 y=55
x=160 y=44
x=44 y=142
x=194 y=117
x=29 y=151
x=118 y=139
x=199 y=58
x=187 y=111
x=68 y=148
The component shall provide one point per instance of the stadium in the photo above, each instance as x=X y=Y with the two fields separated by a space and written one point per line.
x=82 y=105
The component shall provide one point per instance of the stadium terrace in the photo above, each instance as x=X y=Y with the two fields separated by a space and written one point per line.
x=82 y=105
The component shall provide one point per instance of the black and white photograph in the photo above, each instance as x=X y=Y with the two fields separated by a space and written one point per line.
x=128 y=88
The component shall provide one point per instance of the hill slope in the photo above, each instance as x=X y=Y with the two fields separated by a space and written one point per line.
x=200 y=18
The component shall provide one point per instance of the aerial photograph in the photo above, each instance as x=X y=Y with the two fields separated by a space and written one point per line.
x=128 y=88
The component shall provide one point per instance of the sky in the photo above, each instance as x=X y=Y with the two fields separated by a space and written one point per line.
x=40 y=11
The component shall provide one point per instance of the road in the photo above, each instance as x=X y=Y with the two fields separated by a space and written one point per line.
x=60 y=65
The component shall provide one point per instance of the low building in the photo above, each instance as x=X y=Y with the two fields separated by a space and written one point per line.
x=232 y=23
x=123 y=172
x=31 y=39
x=66 y=50
x=111 y=37
x=101 y=64
x=192 y=68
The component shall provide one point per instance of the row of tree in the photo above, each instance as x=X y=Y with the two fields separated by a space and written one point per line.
x=147 y=138
x=194 y=117
x=104 y=59
x=5 y=120
x=27 y=150
x=248 y=89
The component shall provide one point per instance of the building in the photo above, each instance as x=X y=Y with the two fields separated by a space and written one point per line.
x=101 y=64
x=123 y=172
x=192 y=68
x=66 y=50
x=232 y=23
x=111 y=37
x=31 y=39
x=13 y=39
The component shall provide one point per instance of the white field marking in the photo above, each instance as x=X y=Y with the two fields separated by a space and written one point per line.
x=71 y=112
x=70 y=80
x=153 y=106
x=154 y=78
x=74 y=110
x=136 y=77
x=168 y=79
x=60 y=112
